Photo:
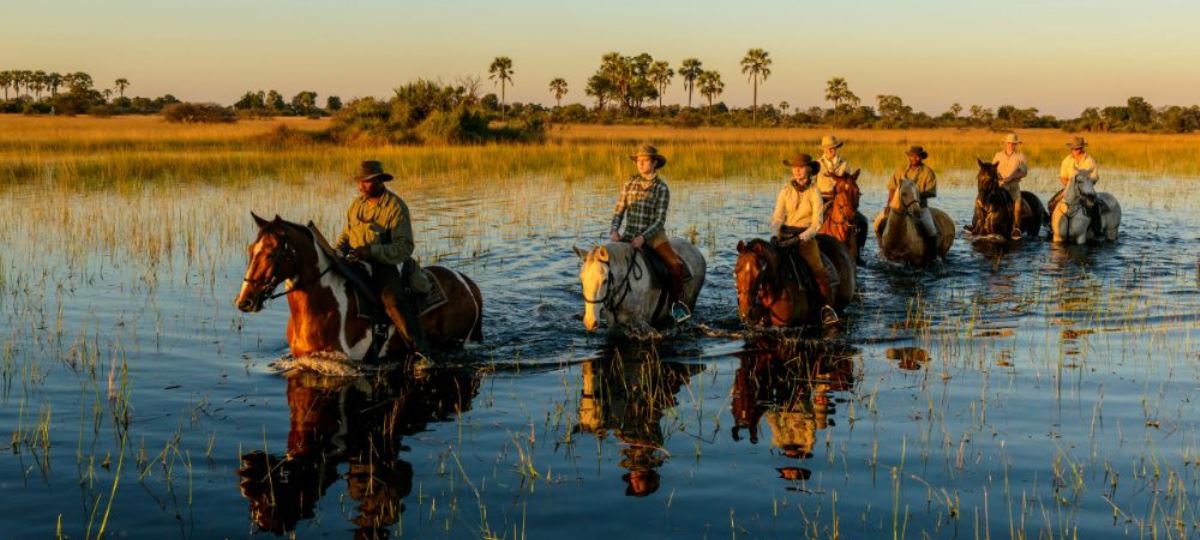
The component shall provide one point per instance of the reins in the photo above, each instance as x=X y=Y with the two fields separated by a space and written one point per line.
x=286 y=251
x=635 y=272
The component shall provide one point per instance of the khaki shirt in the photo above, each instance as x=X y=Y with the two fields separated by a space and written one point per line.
x=830 y=168
x=384 y=225
x=922 y=175
x=1086 y=165
x=1011 y=168
x=802 y=209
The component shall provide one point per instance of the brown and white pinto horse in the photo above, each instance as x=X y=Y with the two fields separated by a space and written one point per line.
x=842 y=219
x=325 y=313
x=769 y=294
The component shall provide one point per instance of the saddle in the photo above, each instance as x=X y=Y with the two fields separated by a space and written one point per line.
x=657 y=267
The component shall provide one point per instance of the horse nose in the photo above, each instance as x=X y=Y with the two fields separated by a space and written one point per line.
x=245 y=305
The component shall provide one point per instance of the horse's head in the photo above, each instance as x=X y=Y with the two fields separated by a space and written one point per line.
x=593 y=275
x=754 y=273
x=1077 y=188
x=273 y=259
x=846 y=192
x=988 y=178
x=907 y=197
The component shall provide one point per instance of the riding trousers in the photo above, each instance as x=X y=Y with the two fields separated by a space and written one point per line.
x=400 y=298
x=810 y=251
x=662 y=246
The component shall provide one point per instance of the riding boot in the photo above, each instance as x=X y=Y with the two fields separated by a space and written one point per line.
x=929 y=232
x=403 y=309
x=1016 y=227
x=1093 y=210
x=679 y=311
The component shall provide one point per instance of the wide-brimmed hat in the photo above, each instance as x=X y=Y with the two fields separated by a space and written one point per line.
x=1012 y=138
x=371 y=170
x=1076 y=142
x=646 y=150
x=917 y=151
x=830 y=141
x=803 y=160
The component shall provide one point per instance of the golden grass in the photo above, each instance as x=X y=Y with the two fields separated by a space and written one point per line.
x=128 y=152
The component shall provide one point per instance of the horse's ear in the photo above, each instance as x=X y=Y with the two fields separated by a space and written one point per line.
x=602 y=254
x=741 y=246
x=258 y=220
x=982 y=164
x=278 y=219
x=854 y=175
x=579 y=252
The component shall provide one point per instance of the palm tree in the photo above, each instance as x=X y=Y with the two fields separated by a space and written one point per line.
x=501 y=71
x=660 y=74
x=710 y=87
x=955 y=109
x=6 y=80
x=558 y=87
x=38 y=81
x=121 y=85
x=837 y=90
x=690 y=70
x=756 y=65
x=619 y=71
x=53 y=81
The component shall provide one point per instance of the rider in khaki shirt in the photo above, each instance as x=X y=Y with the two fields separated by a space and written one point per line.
x=1080 y=163
x=798 y=214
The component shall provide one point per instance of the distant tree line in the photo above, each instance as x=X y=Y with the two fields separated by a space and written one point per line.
x=41 y=92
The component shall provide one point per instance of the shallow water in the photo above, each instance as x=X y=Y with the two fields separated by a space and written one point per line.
x=1045 y=391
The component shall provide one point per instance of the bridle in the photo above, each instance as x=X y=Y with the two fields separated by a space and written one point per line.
x=846 y=219
x=758 y=310
x=635 y=272
x=285 y=252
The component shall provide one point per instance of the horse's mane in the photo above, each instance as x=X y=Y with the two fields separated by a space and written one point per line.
x=313 y=233
x=758 y=246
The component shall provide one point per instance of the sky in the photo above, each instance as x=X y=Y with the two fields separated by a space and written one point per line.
x=1057 y=55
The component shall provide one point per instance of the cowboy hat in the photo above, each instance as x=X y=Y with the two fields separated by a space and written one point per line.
x=646 y=150
x=1012 y=138
x=371 y=170
x=803 y=160
x=830 y=141
x=1076 y=142
x=917 y=151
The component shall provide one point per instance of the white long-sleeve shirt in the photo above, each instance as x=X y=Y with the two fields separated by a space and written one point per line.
x=802 y=209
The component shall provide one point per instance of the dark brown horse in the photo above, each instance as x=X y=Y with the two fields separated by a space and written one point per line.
x=770 y=293
x=843 y=221
x=327 y=314
x=994 y=207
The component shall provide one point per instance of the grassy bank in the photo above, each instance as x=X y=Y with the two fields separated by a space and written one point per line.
x=127 y=152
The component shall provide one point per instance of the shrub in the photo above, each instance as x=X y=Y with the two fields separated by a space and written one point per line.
x=199 y=113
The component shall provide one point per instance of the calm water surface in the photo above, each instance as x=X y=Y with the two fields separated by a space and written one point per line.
x=1041 y=392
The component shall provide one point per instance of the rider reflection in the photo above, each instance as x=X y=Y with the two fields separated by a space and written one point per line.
x=358 y=422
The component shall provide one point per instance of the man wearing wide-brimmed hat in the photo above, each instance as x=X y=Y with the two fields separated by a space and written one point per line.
x=1012 y=167
x=642 y=206
x=379 y=232
x=926 y=182
x=1080 y=162
x=832 y=165
x=798 y=214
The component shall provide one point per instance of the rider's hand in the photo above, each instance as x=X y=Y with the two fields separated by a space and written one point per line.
x=614 y=236
x=360 y=253
x=638 y=241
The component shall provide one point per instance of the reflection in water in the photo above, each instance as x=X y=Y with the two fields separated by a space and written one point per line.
x=359 y=422
x=791 y=385
x=627 y=394
x=908 y=358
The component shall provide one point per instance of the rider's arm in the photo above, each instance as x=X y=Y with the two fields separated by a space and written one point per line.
x=817 y=207
x=343 y=240
x=400 y=247
x=618 y=212
x=780 y=213
x=930 y=188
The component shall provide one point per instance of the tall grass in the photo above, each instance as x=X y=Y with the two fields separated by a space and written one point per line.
x=127 y=152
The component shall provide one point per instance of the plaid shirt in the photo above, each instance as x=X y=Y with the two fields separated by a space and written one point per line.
x=645 y=203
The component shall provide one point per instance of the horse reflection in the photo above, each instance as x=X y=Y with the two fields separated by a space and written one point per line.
x=627 y=394
x=908 y=358
x=790 y=384
x=357 y=422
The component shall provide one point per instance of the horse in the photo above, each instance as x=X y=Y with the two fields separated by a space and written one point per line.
x=327 y=315
x=616 y=278
x=995 y=206
x=843 y=221
x=896 y=227
x=1069 y=221
x=770 y=294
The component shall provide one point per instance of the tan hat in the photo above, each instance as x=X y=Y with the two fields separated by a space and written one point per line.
x=1076 y=142
x=917 y=151
x=803 y=160
x=646 y=150
x=1012 y=138
x=830 y=141
x=371 y=170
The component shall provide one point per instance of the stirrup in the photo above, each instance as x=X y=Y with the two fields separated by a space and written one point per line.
x=1016 y=235
x=829 y=316
x=680 y=312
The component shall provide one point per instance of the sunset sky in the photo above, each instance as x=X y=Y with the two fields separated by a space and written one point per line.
x=1057 y=55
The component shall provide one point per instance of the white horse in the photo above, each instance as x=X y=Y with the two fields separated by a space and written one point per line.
x=1069 y=219
x=617 y=281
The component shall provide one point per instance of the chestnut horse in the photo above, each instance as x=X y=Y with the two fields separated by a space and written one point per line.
x=769 y=293
x=326 y=315
x=994 y=207
x=897 y=231
x=843 y=221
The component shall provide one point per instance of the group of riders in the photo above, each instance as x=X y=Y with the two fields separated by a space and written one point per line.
x=379 y=232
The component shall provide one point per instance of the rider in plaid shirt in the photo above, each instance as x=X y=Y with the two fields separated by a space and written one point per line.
x=643 y=208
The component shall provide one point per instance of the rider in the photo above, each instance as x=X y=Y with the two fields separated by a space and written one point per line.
x=379 y=232
x=831 y=165
x=1080 y=162
x=1012 y=167
x=926 y=182
x=797 y=218
x=644 y=200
